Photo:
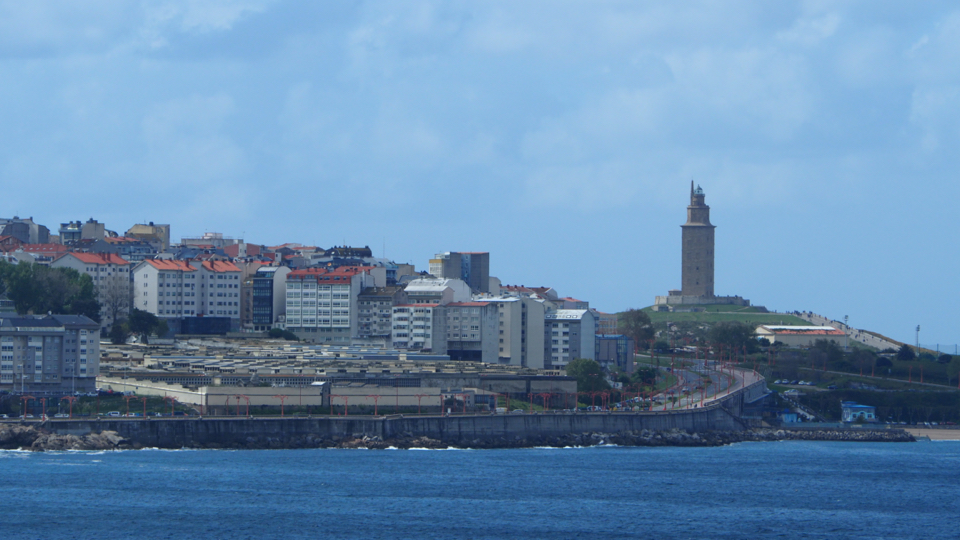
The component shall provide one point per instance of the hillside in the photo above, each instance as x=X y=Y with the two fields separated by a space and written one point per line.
x=690 y=327
x=715 y=314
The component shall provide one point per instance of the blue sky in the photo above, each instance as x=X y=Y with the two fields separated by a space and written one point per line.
x=559 y=136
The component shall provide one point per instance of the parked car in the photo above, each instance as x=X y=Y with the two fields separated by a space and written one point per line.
x=114 y=414
x=61 y=415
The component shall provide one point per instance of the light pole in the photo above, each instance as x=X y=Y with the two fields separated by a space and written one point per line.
x=281 y=397
x=70 y=400
x=846 y=332
x=918 y=340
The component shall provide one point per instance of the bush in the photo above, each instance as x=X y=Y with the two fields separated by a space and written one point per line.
x=906 y=353
x=277 y=333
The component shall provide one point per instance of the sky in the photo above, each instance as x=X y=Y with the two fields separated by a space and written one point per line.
x=559 y=136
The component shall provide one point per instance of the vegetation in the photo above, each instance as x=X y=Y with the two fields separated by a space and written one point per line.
x=39 y=289
x=277 y=333
x=141 y=324
x=733 y=336
x=635 y=324
x=589 y=375
x=905 y=353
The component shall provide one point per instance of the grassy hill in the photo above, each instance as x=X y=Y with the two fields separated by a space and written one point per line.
x=715 y=314
x=673 y=326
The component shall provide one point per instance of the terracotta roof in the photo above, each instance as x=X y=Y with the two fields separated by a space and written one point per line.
x=45 y=248
x=96 y=258
x=344 y=273
x=167 y=264
x=220 y=266
x=120 y=240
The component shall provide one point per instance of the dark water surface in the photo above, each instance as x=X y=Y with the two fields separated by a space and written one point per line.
x=751 y=490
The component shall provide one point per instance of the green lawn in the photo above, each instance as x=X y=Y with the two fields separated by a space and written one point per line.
x=710 y=317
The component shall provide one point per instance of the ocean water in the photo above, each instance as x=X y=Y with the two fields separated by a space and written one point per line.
x=749 y=490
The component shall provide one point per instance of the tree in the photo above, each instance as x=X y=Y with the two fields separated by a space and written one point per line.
x=143 y=323
x=905 y=353
x=39 y=289
x=119 y=332
x=944 y=359
x=883 y=361
x=589 y=375
x=636 y=325
x=115 y=298
x=732 y=335
x=645 y=376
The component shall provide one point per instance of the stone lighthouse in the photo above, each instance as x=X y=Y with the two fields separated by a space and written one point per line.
x=697 y=269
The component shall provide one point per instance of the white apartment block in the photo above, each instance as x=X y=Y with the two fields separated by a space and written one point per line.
x=568 y=334
x=322 y=305
x=437 y=291
x=167 y=288
x=220 y=286
x=111 y=277
x=175 y=289
x=420 y=327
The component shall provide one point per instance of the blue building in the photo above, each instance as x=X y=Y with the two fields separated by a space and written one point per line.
x=853 y=412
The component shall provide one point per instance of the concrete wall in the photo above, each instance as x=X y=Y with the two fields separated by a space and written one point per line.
x=192 y=432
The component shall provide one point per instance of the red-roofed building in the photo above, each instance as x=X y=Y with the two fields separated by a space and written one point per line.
x=322 y=305
x=799 y=336
x=111 y=279
x=45 y=253
x=170 y=289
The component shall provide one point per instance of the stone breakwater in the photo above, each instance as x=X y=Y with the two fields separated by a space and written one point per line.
x=14 y=436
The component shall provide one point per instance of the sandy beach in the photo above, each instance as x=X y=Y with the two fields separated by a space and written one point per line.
x=935 y=434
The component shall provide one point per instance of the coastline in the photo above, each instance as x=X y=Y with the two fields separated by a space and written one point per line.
x=16 y=436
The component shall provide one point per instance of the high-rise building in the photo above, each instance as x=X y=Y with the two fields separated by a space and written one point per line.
x=472 y=267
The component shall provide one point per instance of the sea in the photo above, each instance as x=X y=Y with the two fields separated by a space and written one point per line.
x=788 y=489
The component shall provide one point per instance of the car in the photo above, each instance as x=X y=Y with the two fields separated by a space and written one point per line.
x=831 y=387
x=114 y=414
x=61 y=415
x=516 y=411
x=4 y=416
x=794 y=383
x=27 y=416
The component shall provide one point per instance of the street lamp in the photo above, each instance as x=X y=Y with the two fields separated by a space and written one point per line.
x=846 y=331
x=918 y=340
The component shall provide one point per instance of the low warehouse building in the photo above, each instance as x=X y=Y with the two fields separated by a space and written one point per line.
x=799 y=336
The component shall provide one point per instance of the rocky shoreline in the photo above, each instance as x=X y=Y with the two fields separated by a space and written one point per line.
x=28 y=437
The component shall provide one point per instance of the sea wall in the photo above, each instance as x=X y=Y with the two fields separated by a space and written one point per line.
x=231 y=432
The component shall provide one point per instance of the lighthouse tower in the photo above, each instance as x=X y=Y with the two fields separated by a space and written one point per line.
x=697 y=270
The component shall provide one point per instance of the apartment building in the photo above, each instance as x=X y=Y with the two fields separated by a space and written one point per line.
x=437 y=291
x=520 y=330
x=420 y=327
x=167 y=288
x=269 y=298
x=322 y=304
x=568 y=334
x=375 y=306
x=111 y=279
x=472 y=331
x=49 y=354
x=471 y=267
